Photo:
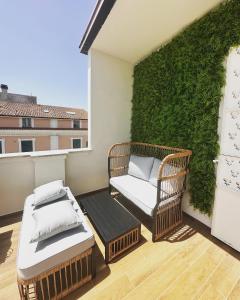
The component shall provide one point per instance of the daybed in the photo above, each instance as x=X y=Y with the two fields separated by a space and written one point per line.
x=52 y=268
x=152 y=177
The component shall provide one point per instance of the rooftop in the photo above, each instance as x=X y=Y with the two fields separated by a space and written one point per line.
x=41 y=111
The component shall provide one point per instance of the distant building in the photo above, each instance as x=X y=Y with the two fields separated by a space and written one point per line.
x=27 y=126
x=15 y=98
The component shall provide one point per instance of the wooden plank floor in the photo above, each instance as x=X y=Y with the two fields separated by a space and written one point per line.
x=187 y=264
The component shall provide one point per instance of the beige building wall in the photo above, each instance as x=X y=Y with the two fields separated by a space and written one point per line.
x=42 y=140
x=41 y=123
x=65 y=142
x=42 y=143
x=9 y=122
x=64 y=123
x=14 y=122
x=85 y=141
x=84 y=123
x=12 y=143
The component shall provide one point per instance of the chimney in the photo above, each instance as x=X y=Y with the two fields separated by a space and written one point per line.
x=4 y=88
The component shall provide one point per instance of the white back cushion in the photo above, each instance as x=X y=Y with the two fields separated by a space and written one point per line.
x=167 y=171
x=45 y=186
x=49 y=192
x=154 y=172
x=140 y=166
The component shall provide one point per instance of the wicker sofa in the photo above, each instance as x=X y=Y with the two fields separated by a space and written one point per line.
x=162 y=201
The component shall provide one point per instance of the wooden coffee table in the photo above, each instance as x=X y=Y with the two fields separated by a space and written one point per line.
x=117 y=228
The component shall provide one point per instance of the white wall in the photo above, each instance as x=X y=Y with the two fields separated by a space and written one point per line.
x=195 y=213
x=16 y=180
x=110 y=94
x=135 y=28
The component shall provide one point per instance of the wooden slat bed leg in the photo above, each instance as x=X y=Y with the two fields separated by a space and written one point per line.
x=60 y=277
x=93 y=261
x=35 y=290
x=48 y=288
x=28 y=288
x=42 y=290
x=55 y=285
x=21 y=292
x=76 y=270
x=71 y=278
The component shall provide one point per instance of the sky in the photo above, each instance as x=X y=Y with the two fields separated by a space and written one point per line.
x=39 y=52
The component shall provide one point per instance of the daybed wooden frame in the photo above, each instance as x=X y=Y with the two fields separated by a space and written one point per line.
x=61 y=280
x=171 y=180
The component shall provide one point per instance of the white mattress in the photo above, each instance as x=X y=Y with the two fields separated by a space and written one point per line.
x=142 y=193
x=35 y=258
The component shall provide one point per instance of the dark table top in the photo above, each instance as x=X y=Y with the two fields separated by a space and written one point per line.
x=109 y=218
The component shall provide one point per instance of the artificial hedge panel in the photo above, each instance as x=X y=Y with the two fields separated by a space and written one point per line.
x=177 y=91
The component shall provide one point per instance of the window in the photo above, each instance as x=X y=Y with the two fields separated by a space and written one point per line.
x=76 y=143
x=76 y=124
x=2 y=150
x=53 y=123
x=26 y=122
x=26 y=145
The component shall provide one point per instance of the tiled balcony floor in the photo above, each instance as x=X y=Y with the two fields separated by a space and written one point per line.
x=188 y=264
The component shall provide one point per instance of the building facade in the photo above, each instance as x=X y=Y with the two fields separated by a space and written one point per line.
x=27 y=126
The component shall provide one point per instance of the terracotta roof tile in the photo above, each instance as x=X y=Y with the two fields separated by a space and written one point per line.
x=41 y=111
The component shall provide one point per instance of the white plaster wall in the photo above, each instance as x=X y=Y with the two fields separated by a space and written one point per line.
x=195 y=213
x=135 y=28
x=16 y=182
x=110 y=94
x=48 y=168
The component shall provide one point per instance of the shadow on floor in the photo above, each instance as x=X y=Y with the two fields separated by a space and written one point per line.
x=5 y=248
x=206 y=232
x=102 y=271
x=186 y=230
x=179 y=234
x=10 y=219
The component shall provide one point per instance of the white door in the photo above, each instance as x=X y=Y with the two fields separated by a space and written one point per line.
x=226 y=212
x=54 y=142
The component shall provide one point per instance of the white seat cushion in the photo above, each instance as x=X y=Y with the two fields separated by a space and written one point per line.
x=142 y=193
x=35 y=258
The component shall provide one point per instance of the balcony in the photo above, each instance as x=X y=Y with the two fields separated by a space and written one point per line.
x=149 y=270
x=189 y=262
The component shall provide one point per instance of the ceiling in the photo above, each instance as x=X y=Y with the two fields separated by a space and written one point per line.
x=135 y=28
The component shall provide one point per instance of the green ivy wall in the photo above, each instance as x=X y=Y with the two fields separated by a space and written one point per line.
x=177 y=91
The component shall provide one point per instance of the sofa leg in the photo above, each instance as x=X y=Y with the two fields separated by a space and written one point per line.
x=153 y=238
x=154 y=229
x=110 y=190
